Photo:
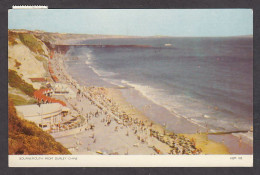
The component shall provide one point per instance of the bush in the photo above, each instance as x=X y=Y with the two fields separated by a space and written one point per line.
x=19 y=100
x=15 y=81
x=31 y=42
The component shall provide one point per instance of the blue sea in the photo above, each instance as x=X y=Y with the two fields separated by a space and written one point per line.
x=208 y=81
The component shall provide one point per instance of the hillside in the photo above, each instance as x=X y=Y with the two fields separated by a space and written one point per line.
x=25 y=137
x=27 y=58
x=19 y=91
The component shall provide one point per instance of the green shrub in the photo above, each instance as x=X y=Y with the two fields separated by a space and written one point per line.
x=19 y=100
x=31 y=42
x=15 y=81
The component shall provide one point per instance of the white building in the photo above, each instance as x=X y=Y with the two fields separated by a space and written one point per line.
x=63 y=89
x=46 y=116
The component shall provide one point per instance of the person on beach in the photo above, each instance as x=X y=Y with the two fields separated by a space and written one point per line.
x=110 y=110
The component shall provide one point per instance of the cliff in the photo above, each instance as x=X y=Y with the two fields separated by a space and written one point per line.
x=27 y=58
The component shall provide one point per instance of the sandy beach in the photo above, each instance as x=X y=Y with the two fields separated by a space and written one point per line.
x=116 y=124
x=113 y=126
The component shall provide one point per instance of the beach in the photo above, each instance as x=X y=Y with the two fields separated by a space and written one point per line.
x=117 y=123
x=127 y=132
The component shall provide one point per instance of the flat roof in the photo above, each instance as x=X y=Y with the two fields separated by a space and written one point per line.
x=44 y=110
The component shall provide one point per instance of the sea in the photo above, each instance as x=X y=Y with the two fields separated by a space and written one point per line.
x=206 y=80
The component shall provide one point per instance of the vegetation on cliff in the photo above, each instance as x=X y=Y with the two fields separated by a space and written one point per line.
x=12 y=36
x=25 y=137
x=31 y=42
x=16 y=81
x=20 y=100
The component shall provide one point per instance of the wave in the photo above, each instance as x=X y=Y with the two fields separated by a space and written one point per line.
x=102 y=73
x=89 y=56
x=170 y=102
x=88 y=62
x=115 y=82
x=193 y=110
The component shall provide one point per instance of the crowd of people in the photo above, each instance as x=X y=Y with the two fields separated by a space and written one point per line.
x=109 y=112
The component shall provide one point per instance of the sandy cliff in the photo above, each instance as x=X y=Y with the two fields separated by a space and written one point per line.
x=25 y=62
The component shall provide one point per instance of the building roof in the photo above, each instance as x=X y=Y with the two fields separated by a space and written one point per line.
x=40 y=96
x=38 y=79
x=44 y=110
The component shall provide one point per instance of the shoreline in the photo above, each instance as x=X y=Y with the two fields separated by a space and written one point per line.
x=182 y=126
x=112 y=127
x=209 y=146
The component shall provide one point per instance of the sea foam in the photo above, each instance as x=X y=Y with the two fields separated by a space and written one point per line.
x=192 y=110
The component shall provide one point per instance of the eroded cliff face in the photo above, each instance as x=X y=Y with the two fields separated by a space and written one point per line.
x=27 y=61
x=28 y=54
x=27 y=58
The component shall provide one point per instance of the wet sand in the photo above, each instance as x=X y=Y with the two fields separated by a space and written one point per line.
x=233 y=143
x=172 y=122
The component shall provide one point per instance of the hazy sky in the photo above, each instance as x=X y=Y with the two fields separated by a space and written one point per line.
x=171 y=22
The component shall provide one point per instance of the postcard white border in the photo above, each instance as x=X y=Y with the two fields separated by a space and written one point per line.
x=130 y=160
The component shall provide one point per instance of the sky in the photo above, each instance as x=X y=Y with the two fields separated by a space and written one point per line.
x=137 y=22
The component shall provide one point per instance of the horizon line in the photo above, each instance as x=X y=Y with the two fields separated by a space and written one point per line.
x=245 y=35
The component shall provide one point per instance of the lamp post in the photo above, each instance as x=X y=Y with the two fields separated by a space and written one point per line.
x=40 y=113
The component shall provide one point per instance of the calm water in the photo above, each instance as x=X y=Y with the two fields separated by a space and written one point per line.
x=209 y=81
